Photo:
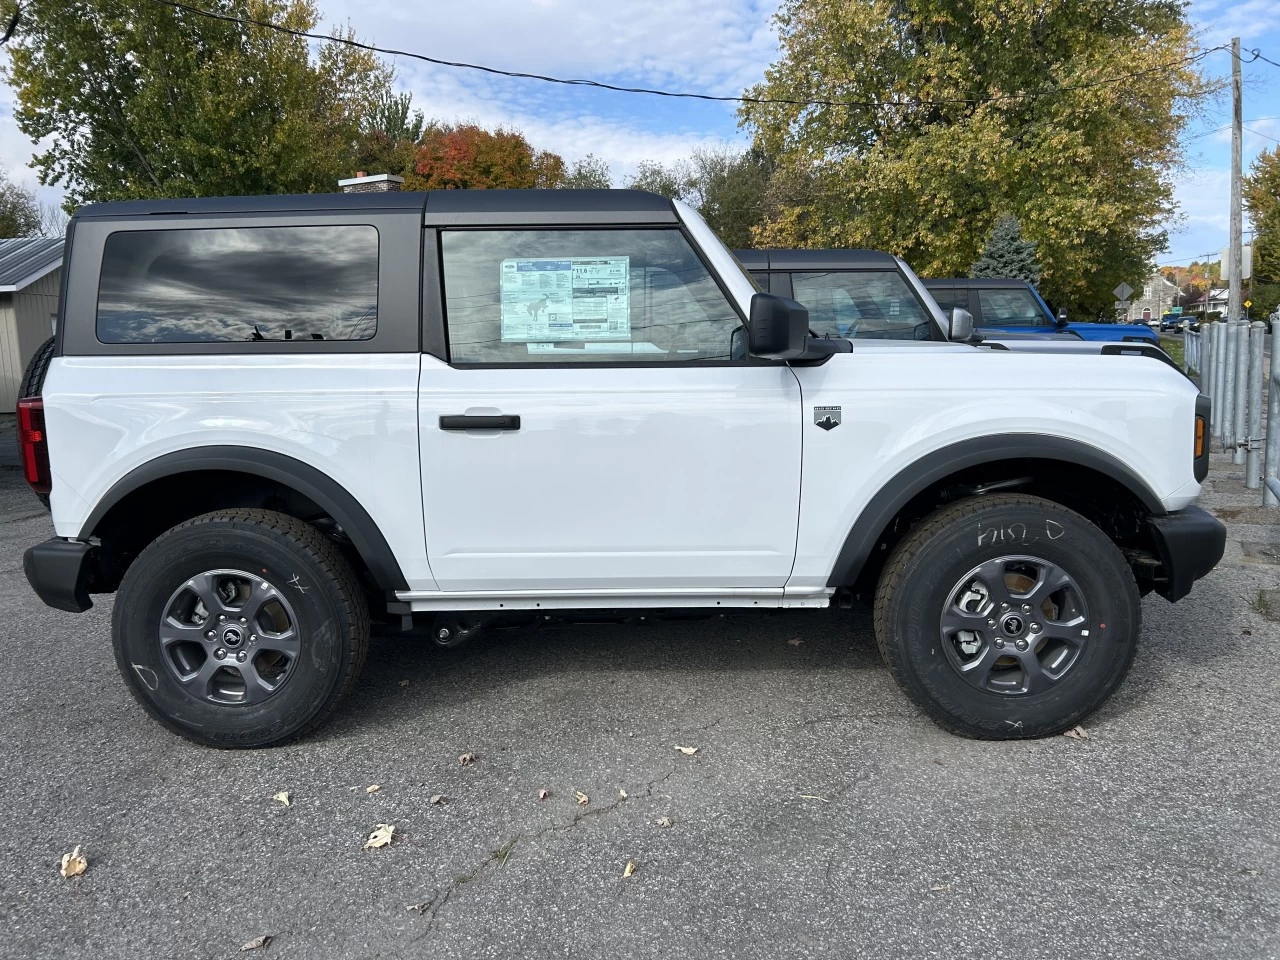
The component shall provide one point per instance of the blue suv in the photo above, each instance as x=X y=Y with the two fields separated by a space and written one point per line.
x=1014 y=306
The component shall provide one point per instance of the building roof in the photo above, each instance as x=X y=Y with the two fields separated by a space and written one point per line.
x=25 y=260
x=815 y=259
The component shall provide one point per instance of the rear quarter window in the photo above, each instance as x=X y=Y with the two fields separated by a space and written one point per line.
x=237 y=284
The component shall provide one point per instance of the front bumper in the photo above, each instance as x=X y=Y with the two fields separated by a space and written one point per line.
x=59 y=572
x=1189 y=543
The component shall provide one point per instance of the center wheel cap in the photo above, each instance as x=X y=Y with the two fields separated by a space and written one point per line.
x=232 y=636
x=1013 y=625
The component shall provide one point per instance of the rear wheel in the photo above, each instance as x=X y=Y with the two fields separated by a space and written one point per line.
x=242 y=628
x=1008 y=616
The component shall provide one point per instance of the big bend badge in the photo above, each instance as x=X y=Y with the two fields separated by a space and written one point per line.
x=828 y=418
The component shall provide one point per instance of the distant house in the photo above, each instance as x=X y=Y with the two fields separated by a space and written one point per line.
x=1158 y=295
x=30 y=272
x=1211 y=300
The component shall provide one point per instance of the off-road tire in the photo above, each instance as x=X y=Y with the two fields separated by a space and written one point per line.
x=303 y=566
x=936 y=556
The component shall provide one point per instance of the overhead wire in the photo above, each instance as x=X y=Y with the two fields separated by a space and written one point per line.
x=648 y=91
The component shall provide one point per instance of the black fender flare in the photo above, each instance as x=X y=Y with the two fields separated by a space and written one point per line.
x=929 y=469
x=317 y=486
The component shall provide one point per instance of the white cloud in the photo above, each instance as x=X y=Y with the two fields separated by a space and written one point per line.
x=1250 y=20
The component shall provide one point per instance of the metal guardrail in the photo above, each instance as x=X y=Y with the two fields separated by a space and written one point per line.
x=1271 y=494
x=1191 y=353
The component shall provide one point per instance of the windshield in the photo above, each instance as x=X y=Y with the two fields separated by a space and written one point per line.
x=863 y=304
x=1017 y=307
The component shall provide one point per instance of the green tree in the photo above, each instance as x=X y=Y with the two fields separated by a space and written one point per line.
x=389 y=116
x=675 y=181
x=941 y=115
x=730 y=189
x=144 y=100
x=1007 y=254
x=589 y=173
x=19 y=212
x=1262 y=197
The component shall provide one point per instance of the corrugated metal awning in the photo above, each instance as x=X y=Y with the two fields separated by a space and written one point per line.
x=25 y=260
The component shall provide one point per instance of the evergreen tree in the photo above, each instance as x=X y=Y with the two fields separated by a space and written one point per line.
x=1007 y=255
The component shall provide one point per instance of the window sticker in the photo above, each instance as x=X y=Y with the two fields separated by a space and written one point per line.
x=549 y=299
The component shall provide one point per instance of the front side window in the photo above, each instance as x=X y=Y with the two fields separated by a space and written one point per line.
x=229 y=284
x=949 y=298
x=539 y=296
x=874 y=304
x=1011 y=308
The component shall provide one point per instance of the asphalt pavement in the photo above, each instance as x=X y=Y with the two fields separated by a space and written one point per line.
x=821 y=816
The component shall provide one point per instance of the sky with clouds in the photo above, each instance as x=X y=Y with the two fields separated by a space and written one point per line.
x=709 y=46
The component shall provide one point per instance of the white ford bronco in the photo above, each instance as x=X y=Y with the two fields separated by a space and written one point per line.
x=267 y=423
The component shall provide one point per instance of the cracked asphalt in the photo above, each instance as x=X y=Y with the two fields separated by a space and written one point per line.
x=822 y=815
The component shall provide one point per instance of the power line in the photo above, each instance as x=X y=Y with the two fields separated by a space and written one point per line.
x=600 y=85
x=1257 y=55
x=1264 y=136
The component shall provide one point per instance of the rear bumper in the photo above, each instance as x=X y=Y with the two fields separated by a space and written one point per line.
x=58 y=571
x=1189 y=543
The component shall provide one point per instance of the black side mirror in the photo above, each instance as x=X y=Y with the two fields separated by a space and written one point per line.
x=1062 y=316
x=777 y=328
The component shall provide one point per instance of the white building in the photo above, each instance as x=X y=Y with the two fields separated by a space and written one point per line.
x=30 y=273
x=1158 y=296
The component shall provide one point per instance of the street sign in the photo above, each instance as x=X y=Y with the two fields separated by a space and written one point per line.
x=1248 y=304
x=1122 y=305
x=1122 y=292
x=1176 y=311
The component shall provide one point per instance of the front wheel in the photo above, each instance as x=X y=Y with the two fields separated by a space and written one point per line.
x=242 y=628
x=1007 y=617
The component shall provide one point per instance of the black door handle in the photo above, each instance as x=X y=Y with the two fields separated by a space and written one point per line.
x=460 y=421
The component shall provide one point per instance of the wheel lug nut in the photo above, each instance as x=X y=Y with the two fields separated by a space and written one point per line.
x=1021 y=644
x=219 y=654
x=221 y=617
x=1035 y=628
x=1004 y=606
x=241 y=656
x=209 y=634
x=1026 y=608
x=243 y=620
x=999 y=644
x=253 y=638
x=990 y=623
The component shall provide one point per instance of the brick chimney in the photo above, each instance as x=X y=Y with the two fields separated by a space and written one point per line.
x=378 y=183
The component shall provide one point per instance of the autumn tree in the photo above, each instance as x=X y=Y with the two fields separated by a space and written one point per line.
x=916 y=124
x=19 y=212
x=466 y=156
x=674 y=180
x=145 y=100
x=728 y=187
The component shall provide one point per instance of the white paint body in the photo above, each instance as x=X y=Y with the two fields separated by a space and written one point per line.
x=625 y=486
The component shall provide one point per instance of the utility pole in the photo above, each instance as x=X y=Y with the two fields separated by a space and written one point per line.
x=1234 y=299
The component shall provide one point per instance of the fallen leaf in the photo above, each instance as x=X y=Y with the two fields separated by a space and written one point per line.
x=582 y=797
x=1077 y=733
x=543 y=794
x=404 y=683
x=282 y=797
x=257 y=943
x=663 y=821
x=437 y=799
x=73 y=863
x=467 y=759
x=622 y=794
x=630 y=869
x=794 y=642
x=940 y=888
x=381 y=836
x=372 y=788
x=688 y=751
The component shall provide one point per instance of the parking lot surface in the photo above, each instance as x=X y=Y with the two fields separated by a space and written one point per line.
x=821 y=816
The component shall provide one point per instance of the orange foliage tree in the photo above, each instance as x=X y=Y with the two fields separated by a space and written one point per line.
x=466 y=156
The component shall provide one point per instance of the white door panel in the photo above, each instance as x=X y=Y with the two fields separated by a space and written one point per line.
x=618 y=477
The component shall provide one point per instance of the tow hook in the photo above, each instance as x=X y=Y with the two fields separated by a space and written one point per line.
x=454 y=633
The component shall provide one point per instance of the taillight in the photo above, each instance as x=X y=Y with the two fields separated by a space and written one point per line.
x=33 y=443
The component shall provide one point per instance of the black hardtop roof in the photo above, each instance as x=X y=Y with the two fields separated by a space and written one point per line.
x=439 y=206
x=780 y=259
x=986 y=282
